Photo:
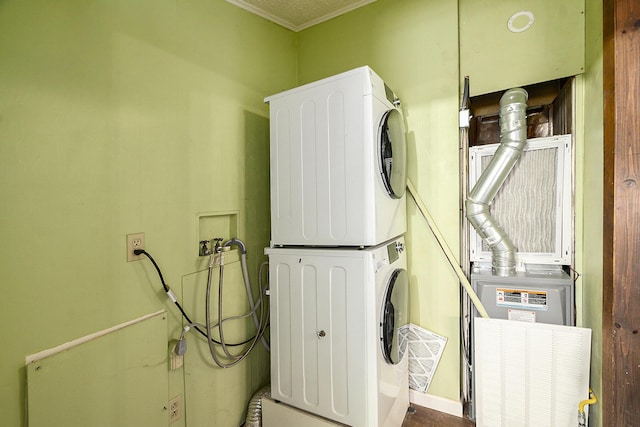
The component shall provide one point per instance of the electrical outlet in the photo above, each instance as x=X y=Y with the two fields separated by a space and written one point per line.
x=134 y=241
x=175 y=409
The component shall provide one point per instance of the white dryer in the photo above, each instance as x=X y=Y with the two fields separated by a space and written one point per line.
x=339 y=323
x=338 y=162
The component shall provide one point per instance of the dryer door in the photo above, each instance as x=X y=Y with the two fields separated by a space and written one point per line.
x=394 y=323
x=392 y=153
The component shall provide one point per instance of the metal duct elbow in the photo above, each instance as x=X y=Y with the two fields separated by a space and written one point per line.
x=513 y=138
x=503 y=250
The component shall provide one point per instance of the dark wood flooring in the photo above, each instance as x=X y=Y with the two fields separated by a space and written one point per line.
x=425 y=417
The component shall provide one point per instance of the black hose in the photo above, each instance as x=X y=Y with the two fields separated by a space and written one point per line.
x=175 y=301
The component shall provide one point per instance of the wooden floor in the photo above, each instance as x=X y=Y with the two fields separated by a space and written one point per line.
x=425 y=417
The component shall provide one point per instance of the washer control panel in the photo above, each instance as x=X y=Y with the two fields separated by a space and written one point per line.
x=394 y=250
x=388 y=254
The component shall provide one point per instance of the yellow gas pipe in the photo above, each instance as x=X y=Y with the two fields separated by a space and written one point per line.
x=590 y=401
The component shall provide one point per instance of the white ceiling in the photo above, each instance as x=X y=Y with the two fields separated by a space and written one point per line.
x=297 y=15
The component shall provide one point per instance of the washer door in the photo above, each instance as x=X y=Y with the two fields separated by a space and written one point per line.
x=395 y=317
x=393 y=153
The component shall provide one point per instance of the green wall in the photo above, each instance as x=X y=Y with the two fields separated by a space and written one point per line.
x=413 y=45
x=118 y=117
x=590 y=175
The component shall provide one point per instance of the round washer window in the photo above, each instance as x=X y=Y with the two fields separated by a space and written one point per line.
x=393 y=153
x=395 y=317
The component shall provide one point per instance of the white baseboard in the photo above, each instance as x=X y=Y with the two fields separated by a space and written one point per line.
x=441 y=404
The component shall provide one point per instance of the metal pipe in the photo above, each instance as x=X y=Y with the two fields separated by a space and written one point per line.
x=513 y=138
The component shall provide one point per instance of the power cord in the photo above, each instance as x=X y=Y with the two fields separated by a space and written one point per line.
x=173 y=298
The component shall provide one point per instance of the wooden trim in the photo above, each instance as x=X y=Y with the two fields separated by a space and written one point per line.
x=620 y=400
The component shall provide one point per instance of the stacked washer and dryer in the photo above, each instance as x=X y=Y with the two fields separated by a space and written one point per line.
x=337 y=262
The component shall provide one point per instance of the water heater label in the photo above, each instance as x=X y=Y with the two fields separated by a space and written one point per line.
x=521 y=298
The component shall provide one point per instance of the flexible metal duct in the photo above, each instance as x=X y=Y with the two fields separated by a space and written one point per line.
x=513 y=138
x=254 y=411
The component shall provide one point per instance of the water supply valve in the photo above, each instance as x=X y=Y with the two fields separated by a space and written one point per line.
x=217 y=246
x=204 y=248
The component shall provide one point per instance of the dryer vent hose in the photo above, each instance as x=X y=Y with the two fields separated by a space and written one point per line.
x=254 y=411
x=513 y=138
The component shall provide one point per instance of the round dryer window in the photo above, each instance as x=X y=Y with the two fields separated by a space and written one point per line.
x=394 y=325
x=393 y=153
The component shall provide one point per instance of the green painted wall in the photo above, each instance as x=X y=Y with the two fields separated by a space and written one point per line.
x=592 y=180
x=495 y=57
x=413 y=45
x=119 y=117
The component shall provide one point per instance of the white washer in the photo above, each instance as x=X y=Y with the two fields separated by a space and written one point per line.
x=338 y=162
x=339 y=319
